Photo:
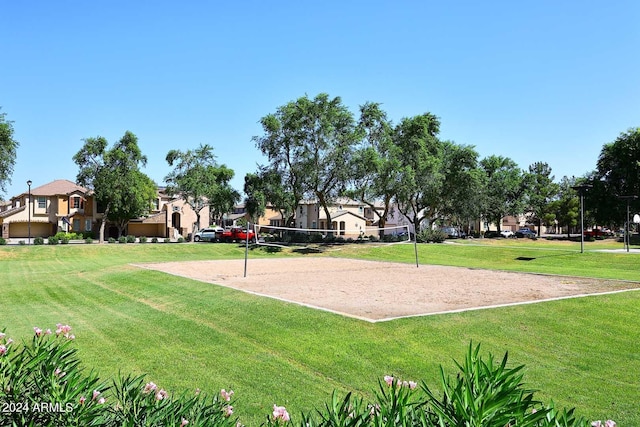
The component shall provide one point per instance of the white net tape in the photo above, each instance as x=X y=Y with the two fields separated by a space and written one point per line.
x=287 y=236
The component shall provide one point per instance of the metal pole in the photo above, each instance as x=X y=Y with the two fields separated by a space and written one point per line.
x=581 y=222
x=627 y=230
x=29 y=211
x=246 y=250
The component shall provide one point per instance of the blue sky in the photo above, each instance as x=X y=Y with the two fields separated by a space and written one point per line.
x=544 y=81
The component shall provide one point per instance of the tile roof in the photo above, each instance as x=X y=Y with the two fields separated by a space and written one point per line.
x=59 y=186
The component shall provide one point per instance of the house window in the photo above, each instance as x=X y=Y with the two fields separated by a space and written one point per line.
x=156 y=204
x=76 y=203
x=42 y=202
x=87 y=224
x=76 y=225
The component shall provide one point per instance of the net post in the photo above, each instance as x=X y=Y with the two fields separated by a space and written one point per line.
x=415 y=244
x=246 y=250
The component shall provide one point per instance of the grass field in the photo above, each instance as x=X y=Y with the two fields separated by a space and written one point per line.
x=186 y=334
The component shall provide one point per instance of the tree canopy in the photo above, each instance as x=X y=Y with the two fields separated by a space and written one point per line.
x=8 y=149
x=200 y=181
x=504 y=188
x=617 y=174
x=114 y=175
x=310 y=142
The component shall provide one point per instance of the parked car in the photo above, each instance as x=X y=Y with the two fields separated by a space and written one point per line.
x=596 y=232
x=525 y=232
x=236 y=234
x=506 y=233
x=453 y=233
x=209 y=234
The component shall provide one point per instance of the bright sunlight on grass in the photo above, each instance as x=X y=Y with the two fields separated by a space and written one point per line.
x=186 y=334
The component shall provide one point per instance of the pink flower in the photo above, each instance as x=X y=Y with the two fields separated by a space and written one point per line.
x=610 y=423
x=197 y=391
x=227 y=410
x=47 y=332
x=101 y=400
x=412 y=385
x=64 y=330
x=184 y=423
x=2 y=335
x=226 y=395
x=37 y=330
x=3 y=349
x=96 y=393
x=82 y=400
x=389 y=380
x=59 y=373
x=149 y=387
x=280 y=412
x=9 y=341
x=161 y=395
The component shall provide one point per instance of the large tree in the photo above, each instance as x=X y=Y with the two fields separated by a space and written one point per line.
x=196 y=178
x=120 y=188
x=617 y=174
x=8 y=149
x=541 y=190
x=420 y=177
x=566 y=207
x=376 y=163
x=267 y=187
x=504 y=188
x=310 y=143
x=463 y=189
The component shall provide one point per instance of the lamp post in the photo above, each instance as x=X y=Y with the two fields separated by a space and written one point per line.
x=581 y=189
x=29 y=211
x=626 y=227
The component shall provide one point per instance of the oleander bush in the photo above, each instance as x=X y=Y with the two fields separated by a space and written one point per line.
x=122 y=239
x=3 y=241
x=53 y=240
x=38 y=241
x=131 y=239
x=42 y=383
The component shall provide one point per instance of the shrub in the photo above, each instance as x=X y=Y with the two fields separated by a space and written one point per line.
x=22 y=242
x=53 y=240
x=131 y=239
x=180 y=239
x=3 y=241
x=38 y=241
x=154 y=240
x=167 y=240
x=122 y=239
x=142 y=239
x=428 y=235
x=88 y=240
x=47 y=369
x=111 y=240
x=65 y=240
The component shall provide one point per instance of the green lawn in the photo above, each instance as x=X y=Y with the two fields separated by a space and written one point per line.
x=186 y=334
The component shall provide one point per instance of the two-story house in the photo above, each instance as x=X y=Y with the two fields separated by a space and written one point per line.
x=60 y=205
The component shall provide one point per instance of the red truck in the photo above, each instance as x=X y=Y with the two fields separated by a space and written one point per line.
x=235 y=234
x=596 y=232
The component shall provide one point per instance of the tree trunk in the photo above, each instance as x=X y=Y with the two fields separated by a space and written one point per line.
x=103 y=222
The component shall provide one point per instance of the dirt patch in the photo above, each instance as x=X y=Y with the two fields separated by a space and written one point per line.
x=377 y=291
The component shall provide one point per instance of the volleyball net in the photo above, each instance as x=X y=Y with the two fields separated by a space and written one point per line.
x=270 y=235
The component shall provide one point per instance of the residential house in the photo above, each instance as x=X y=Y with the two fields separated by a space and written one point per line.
x=60 y=205
x=170 y=217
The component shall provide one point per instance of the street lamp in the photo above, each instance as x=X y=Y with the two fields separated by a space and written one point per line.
x=626 y=228
x=29 y=211
x=581 y=189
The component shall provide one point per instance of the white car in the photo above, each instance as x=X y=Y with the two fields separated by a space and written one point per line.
x=506 y=233
x=209 y=234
